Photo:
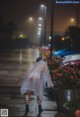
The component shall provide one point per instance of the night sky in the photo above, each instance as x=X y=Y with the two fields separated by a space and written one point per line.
x=19 y=11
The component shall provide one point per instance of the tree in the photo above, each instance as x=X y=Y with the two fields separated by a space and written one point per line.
x=9 y=29
x=1 y=26
x=72 y=37
x=57 y=42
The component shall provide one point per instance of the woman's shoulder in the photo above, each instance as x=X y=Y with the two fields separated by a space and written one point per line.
x=43 y=62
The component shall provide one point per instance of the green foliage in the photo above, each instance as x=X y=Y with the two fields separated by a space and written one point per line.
x=74 y=104
x=72 y=37
x=53 y=63
x=7 y=29
x=64 y=77
x=57 y=42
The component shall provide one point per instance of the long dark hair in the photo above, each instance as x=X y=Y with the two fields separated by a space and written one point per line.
x=38 y=59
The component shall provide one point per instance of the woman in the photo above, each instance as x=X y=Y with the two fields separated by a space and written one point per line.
x=36 y=78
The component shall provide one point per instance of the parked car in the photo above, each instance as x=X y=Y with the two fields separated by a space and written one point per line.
x=71 y=59
x=64 y=52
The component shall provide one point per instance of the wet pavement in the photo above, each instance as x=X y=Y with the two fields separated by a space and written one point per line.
x=13 y=66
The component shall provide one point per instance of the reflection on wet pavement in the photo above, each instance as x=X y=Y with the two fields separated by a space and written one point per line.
x=13 y=66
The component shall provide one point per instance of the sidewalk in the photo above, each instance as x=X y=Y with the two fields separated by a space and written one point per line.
x=12 y=100
x=11 y=76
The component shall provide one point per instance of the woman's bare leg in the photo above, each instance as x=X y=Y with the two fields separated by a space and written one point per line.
x=39 y=104
x=27 y=95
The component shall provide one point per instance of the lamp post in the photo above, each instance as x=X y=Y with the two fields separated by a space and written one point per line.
x=45 y=8
x=52 y=15
x=77 y=15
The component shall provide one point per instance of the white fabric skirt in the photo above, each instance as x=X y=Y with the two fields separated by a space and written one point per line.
x=34 y=82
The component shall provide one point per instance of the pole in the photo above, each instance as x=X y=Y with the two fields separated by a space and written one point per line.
x=45 y=27
x=44 y=36
x=52 y=15
x=77 y=15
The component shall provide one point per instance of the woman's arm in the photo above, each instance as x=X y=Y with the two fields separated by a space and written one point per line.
x=48 y=77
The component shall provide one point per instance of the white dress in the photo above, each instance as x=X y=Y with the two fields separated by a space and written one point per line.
x=36 y=78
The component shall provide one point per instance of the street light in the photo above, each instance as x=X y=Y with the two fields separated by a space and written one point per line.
x=40 y=25
x=72 y=22
x=45 y=8
x=40 y=18
x=72 y=19
x=30 y=19
x=40 y=30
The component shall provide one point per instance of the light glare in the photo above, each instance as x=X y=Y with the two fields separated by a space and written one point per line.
x=40 y=25
x=40 y=18
x=39 y=29
x=43 y=6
